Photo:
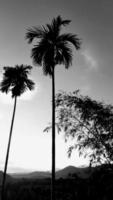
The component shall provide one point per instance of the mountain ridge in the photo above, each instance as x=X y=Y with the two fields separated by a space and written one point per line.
x=69 y=171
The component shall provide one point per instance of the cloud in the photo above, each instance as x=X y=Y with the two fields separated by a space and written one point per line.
x=90 y=60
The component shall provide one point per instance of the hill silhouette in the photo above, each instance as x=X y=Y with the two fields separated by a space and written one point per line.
x=70 y=171
x=67 y=172
x=31 y=175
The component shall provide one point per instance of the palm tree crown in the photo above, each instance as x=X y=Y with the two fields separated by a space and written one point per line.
x=52 y=48
x=15 y=79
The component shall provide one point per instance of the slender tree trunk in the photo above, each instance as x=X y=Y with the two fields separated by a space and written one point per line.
x=53 y=138
x=8 y=149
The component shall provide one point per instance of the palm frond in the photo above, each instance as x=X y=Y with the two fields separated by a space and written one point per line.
x=5 y=85
x=64 y=55
x=30 y=84
x=56 y=24
x=37 y=53
x=73 y=39
x=25 y=68
x=35 y=32
x=60 y=21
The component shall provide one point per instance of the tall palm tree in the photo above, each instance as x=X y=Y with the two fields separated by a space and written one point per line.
x=16 y=81
x=52 y=48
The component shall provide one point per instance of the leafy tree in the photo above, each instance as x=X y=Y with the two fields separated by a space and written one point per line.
x=52 y=48
x=16 y=81
x=89 y=122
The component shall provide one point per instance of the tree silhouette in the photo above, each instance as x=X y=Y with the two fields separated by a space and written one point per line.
x=51 y=49
x=16 y=81
x=89 y=122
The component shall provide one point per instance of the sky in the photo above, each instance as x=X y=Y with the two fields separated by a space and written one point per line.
x=91 y=72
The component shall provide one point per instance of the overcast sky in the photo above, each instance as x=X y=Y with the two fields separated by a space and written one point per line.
x=91 y=72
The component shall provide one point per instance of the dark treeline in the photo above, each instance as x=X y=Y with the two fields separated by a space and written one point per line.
x=98 y=186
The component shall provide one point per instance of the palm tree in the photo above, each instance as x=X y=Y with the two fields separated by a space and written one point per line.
x=16 y=81
x=52 y=48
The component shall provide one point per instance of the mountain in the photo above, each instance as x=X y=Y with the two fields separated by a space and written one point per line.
x=70 y=171
x=67 y=172
x=32 y=175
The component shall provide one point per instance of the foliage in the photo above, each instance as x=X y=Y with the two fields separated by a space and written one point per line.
x=52 y=47
x=15 y=79
x=89 y=122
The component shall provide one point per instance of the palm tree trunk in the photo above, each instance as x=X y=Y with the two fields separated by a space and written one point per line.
x=53 y=138
x=8 y=148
